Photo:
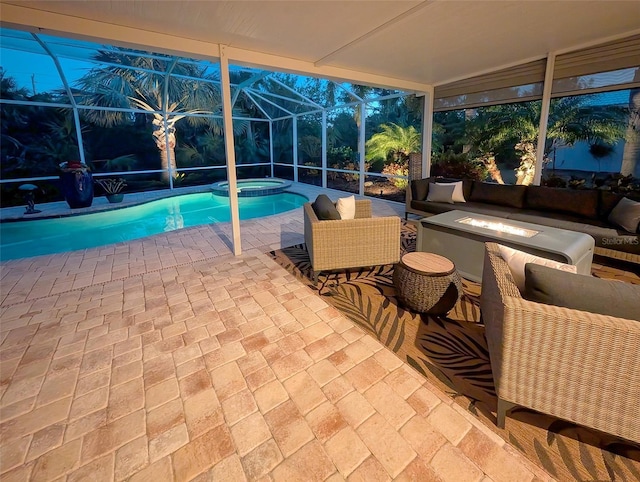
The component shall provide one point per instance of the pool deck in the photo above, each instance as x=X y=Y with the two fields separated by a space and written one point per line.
x=100 y=203
x=169 y=358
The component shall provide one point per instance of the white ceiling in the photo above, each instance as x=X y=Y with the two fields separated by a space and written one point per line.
x=424 y=42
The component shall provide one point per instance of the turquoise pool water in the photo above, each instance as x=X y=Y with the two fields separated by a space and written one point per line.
x=23 y=239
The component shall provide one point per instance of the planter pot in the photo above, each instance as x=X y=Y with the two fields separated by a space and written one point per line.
x=115 y=198
x=77 y=187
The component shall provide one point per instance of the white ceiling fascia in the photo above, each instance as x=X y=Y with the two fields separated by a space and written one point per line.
x=284 y=64
x=408 y=45
x=39 y=21
x=15 y=16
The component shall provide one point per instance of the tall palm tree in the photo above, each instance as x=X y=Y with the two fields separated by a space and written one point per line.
x=162 y=86
x=571 y=119
x=397 y=140
x=631 y=153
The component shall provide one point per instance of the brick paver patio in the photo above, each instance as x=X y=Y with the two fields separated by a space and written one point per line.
x=169 y=358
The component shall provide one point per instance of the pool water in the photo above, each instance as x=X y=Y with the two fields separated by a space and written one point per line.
x=23 y=239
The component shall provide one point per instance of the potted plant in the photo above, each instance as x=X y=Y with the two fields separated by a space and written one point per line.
x=113 y=188
x=77 y=184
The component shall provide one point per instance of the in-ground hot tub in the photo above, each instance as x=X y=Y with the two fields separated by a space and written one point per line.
x=252 y=187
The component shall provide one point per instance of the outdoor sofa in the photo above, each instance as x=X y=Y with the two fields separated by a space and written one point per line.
x=351 y=243
x=582 y=210
x=572 y=364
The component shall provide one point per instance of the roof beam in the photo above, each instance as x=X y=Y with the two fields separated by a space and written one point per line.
x=371 y=33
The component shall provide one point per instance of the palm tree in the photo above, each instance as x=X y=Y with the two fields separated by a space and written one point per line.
x=571 y=119
x=394 y=139
x=162 y=86
x=631 y=153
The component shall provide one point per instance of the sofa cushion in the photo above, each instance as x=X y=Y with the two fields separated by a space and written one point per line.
x=346 y=207
x=484 y=208
x=458 y=194
x=608 y=201
x=626 y=214
x=602 y=232
x=431 y=207
x=442 y=193
x=581 y=202
x=324 y=208
x=503 y=194
x=516 y=260
x=470 y=207
x=419 y=189
x=581 y=292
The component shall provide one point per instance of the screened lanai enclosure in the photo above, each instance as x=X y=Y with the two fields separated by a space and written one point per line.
x=155 y=121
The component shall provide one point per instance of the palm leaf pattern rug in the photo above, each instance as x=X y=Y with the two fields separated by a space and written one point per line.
x=452 y=353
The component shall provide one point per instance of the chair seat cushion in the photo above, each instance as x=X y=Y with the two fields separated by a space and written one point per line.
x=324 y=208
x=581 y=292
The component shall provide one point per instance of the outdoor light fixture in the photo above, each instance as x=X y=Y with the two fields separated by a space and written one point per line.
x=28 y=190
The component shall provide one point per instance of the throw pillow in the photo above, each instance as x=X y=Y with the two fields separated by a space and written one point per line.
x=626 y=214
x=346 y=207
x=324 y=208
x=581 y=292
x=518 y=259
x=441 y=193
x=419 y=189
x=458 y=195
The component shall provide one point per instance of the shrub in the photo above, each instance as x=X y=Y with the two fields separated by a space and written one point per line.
x=577 y=182
x=554 y=181
x=458 y=166
x=396 y=169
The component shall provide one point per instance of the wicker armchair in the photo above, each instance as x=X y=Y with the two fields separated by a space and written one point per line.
x=351 y=243
x=570 y=364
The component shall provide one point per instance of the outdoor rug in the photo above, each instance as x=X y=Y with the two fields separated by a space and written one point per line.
x=451 y=352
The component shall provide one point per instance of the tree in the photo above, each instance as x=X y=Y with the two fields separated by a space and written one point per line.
x=448 y=131
x=631 y=153
x=34 y=139
x=162 y=86
x=571 y=119
x=394 y=139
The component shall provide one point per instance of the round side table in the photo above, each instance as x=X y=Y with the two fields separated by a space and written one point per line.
x=427 y=283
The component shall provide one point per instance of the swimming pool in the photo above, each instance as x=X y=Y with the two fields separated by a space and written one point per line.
x=22 y=239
